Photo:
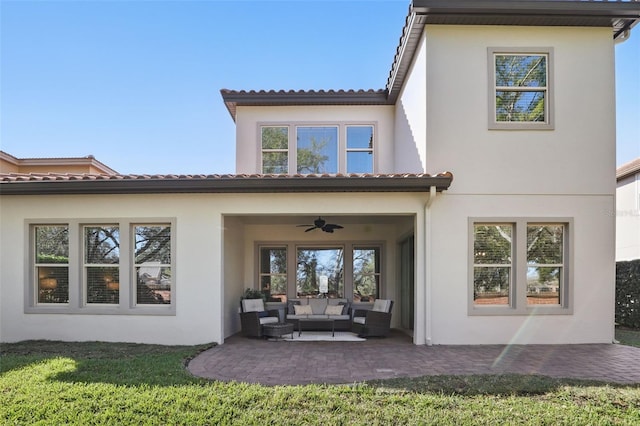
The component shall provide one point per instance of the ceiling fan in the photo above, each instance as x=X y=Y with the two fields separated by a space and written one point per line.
x=320 y=223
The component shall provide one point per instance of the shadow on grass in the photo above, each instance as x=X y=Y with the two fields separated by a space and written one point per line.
x=495 y=384
x=102 y=362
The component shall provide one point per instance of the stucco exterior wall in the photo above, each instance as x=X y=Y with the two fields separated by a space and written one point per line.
x=213 y=257
x=248 y=120
x=627 y=215
x=411 y=118
x=577 y=157
x=589 y=259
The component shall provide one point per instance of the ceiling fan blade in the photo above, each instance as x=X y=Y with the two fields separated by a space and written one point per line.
x=299 y=226
x=310 y=229
x=330 y=227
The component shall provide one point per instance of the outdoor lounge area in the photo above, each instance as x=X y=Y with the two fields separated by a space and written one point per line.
x=315 y=314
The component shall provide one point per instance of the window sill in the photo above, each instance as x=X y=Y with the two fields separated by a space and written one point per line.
x=166 y=310
x=510 y=311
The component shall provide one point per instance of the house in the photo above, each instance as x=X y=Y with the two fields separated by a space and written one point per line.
x=456 y=186
x=88 y=164
x=628 y=211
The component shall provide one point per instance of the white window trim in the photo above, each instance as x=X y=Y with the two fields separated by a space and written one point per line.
x=548 y=123
x=292 y=156
x=518 y=290
x=77 y=287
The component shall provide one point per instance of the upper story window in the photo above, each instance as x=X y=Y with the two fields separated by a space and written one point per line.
x=520 y=88
x=317 y=149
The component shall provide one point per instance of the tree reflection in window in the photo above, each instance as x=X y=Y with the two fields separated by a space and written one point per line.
x=316 y=266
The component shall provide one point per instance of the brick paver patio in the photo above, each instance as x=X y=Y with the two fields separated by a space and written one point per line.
x=290 y=363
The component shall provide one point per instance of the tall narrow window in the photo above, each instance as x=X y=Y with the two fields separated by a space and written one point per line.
x=273 y=272
x=52 y=263
x=545 y=263
x=366 y=274
x=101 y=264
x=359 y=149
x=492 y=264
x=521 y=89
x=275 y=150
x=320 y=273
x=152 y=262
x=317 y=150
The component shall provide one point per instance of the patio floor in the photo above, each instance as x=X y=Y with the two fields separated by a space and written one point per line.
x=292 y=363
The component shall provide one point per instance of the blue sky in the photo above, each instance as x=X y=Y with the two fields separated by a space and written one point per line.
x=137 y=83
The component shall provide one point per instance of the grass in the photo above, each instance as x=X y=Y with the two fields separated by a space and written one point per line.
x=52 y=383
x=628 y=336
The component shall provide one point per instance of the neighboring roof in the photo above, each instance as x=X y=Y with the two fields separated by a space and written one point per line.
x=54 y=183
x=628 y=169
x=57 y=162
x=620 y=15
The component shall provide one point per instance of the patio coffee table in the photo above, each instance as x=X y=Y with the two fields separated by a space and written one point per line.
x=329 y=320
x=277 y=329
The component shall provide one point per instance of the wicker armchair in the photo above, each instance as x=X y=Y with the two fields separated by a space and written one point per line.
x=253 y=316
x=376 y=322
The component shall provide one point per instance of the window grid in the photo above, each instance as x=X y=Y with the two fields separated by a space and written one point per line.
x=540 y=275
x=91 y=281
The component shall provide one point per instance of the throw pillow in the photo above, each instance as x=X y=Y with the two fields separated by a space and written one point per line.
x=333 y=310
x=303 y=309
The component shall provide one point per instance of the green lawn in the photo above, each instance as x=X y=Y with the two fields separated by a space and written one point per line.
x=53 y=383
x=628 y=337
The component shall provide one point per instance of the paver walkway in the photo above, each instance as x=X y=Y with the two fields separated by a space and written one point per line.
x=290 y=363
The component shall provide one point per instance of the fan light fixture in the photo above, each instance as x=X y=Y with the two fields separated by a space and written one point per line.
x=320 y=223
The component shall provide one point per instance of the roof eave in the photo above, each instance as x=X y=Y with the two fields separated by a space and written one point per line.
x=233 y=98
x=231 y=184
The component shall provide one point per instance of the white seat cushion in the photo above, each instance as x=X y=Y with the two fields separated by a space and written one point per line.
x=302 y=309
x=359 y=320
x=381 y=305
x=252 y=305
x=318 y=316
x=333 y=310
x=268 y=320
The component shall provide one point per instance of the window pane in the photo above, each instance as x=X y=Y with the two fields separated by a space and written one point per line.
x=52 y=244
x=317 y=150
x=103 y=284
x=545 y=253
x=366 y=274
x=320 y=272
x=102 y=245
x=275 y=162
x=273 y=272
x=275 y=138
x=491 y=285
x=153 y=244
x=544 y=244
x=359 y=162
x=360 y=137
x=543 y=285
x=52 y=248
x=492 y=244
x=521 y=70
x=53 y=284
x=153 y=284
x=520 y=106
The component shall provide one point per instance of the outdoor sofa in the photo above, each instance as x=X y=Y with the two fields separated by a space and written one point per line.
x=319 y=309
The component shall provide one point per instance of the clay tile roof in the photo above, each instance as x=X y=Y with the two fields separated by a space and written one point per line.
x=628 y=169
x=70 y=183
